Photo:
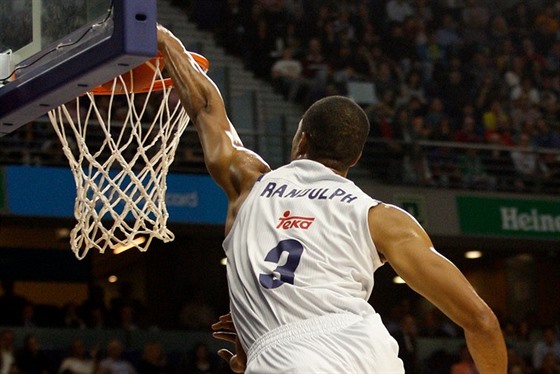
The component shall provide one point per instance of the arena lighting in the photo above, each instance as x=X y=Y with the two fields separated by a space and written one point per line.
x=112 y=278
x=120 y=248
x=398 y=280
x=223 y=261
x=473 y=254
x=62 y=233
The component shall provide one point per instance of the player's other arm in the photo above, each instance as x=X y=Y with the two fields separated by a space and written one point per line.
x=409 y=250
x=232 y=166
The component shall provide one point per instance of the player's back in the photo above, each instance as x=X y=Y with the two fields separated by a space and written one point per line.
x=299 y=248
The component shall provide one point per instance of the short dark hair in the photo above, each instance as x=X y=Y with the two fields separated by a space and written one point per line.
x=337 y=128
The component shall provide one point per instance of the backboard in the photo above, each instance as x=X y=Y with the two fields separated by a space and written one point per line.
x=60 y=49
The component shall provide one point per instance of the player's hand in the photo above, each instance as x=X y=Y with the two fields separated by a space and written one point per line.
x=225 y=330
x=162 y=34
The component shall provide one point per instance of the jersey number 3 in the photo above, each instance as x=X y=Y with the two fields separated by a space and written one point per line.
x=284 y=273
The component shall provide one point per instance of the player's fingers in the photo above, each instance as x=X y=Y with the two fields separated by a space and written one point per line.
x=223 y=326
x=227 y=336
x=224 y=321
x=225 y=317
x=225 y=355
x=237 y=365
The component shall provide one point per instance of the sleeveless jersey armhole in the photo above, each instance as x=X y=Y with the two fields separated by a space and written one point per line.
x=375 y=257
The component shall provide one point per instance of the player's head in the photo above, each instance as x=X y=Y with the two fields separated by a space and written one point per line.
x=332 y=131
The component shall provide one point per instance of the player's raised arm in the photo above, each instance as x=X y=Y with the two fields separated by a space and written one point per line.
x=409 y=250
x=232 y=166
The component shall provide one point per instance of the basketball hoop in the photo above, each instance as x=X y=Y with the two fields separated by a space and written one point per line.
x=120 y=146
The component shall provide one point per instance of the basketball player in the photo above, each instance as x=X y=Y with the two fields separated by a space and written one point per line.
x=302 y=243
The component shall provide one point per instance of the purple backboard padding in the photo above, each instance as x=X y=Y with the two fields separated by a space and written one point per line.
x=70 y=73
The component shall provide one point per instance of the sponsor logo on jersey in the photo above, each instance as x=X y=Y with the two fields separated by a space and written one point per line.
x=294 y=222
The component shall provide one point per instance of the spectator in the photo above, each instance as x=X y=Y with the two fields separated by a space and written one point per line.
x=432 y=55
x=398 y=10
x=551 y=115
x=126 y=307
x=553 y=57
x=435 y=114
x=499 y=31
x=411 y=87
x=71 y=317
x=514 y=73
x=11 y=305
x=287 y=74
x=465 y=365
x=445 y=167
x=423 y=11
x=434 y=324
x=196 y=313
x=28 y=317
x=475 y=18
x=550 y=365
x=467 y=133
x=488 y=93
x=260 y=58
x=494 y=115
x=546 y=27
x=93 y=310
x=447 y=34
x=527 y=89
x=154 y=360
x=529 y=168
x=7 y=352
x=385 y=79
x=521 y=21
x=126 y=318
x=31 y=359
x=114 y=363
x=398 y=45
x=406 y=337
x=516 y=363
x=530 y=54
x=544 y=136
x=314 y=62
x=96 y=319
x=456 y=93
x=78 y=361
x=231 y=32
x=548 y=344
x=473 y=171
x=443 y=131
x=504 y=57
x=200 y=361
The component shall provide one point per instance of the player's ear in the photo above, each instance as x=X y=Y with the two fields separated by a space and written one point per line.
x=303 y=144
x=356 y=160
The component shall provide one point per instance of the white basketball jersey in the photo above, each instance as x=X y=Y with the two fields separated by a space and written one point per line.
x=299 y=248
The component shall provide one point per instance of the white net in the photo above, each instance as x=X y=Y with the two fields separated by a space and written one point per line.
x=120 y=148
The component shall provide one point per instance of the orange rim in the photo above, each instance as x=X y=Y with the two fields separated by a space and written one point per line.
x=158 y=84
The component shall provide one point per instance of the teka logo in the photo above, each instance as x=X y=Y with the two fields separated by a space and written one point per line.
x=294 y=222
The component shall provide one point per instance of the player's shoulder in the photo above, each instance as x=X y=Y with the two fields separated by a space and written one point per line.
x=389 y=214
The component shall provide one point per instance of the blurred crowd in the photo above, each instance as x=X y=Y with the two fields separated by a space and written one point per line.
x=460 y=93
x=533 y=348
x=30 y=357
x=116 y=317
x=465 y=72
x=429 y=342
